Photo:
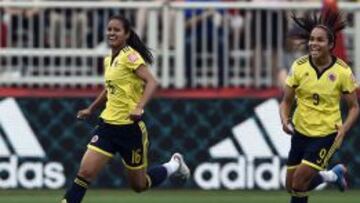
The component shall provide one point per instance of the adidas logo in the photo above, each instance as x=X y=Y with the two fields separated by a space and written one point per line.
x=20 y=135
x=264 y=148
x=17 y=139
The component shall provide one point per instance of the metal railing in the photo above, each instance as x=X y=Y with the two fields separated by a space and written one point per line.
x=195 y=44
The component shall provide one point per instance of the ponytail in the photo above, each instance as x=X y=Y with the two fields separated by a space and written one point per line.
x=329 y=20
x=135 y=42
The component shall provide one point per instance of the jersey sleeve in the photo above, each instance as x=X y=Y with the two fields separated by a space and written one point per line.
x=133 y=60
x=292 y=78
x=349 y=83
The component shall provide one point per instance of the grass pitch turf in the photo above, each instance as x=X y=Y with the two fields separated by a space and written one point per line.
x=177 y=196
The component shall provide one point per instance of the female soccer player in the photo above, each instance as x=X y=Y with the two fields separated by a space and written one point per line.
x=317 y=81
x=129 y=86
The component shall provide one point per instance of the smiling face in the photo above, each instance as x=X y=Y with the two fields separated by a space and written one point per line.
x=116 y=34
x=319 y=44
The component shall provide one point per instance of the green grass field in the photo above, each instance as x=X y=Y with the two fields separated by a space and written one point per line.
x=177 y=196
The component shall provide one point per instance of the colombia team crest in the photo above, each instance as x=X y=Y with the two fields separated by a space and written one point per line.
x=332 y=77
x=94 y=139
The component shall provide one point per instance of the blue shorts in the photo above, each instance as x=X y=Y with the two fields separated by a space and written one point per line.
x=130 y=141
x=313 y=151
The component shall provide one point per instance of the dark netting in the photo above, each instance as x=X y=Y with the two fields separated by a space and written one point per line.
x=189 y=126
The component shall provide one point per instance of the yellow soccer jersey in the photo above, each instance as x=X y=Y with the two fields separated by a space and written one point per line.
x=318 y=95
x=124 y=87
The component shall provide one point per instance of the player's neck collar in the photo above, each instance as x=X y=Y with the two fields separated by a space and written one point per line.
x=319 y=72
x=117 y=51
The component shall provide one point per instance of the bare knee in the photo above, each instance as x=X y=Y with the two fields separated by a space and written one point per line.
x=288 y=183
x=288 y=187
x=137 y=180
x=87 y=174
x=300 y=183
x=289 y=180
x=138 y=187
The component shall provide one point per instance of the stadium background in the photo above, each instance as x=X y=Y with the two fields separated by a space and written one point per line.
x=191 y=113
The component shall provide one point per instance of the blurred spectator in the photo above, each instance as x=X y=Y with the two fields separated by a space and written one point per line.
x=266 y=22
x=23 y=24
x=236 y=21
x=295 y=47
x=266 y=16
x=68 y=28
x=201 y=28
x=3 y=35
x=141 y=20
x=98 y=24
x=3 y=29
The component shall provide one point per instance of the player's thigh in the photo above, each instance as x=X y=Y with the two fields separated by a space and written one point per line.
x=297 y=150
x=289 y=178
x=319 y=151
x=91 y=164
x=302 y=177
x=133 y=146
x=296 y=154
x=100 y=150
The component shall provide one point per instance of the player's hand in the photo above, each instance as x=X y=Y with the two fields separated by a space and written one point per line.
x=84 y=113
x=288 y=127
x=340 y=135
x=136 y=114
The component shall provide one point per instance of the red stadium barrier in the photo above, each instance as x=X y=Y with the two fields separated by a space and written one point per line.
x=183 y=93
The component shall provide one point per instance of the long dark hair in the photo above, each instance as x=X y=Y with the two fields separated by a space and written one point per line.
x=329 y=20
x=134 y=40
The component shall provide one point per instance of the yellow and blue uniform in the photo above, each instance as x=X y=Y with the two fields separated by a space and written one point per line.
x=115 y=131
x=124 y=87
x=318 y=109
x=318 y=95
